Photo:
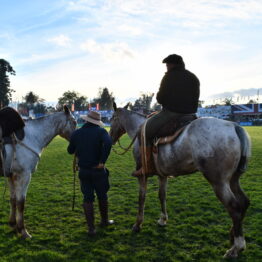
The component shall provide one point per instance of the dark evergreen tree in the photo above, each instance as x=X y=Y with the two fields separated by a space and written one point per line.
x=5 y=90
x=143 y=103
x=105 y=99
x=31 y=99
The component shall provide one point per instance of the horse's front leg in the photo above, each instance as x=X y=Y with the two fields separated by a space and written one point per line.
x=12 y=217
x=162 y=197
x=141 y=205
x=21 y=185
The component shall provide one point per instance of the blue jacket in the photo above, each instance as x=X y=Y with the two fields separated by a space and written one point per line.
x=91 y=144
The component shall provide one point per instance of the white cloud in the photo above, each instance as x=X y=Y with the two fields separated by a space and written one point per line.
x=115 y=51
x=60 y=40
x=199 y=12
x=135 y=31
x=120 y=44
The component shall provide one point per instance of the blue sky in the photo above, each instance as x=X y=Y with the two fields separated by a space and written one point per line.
x=83 y=45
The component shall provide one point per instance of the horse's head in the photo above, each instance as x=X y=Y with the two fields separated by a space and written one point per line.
x=69 y=124
x=117 y=129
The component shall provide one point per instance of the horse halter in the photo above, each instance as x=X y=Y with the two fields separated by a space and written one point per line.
x=120 y=129
x=120 y=132
x=68 y=120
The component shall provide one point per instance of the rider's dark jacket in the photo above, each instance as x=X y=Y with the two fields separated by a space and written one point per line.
x=91 y=144
x=179 y=91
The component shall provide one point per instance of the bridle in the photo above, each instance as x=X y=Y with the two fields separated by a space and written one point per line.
x=123 y=131
x=125 y=149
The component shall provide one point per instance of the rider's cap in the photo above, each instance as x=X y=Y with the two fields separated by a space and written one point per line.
x=174 y=59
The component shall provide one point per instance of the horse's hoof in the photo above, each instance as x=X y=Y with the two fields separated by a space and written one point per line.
x=136 y=229
x=161 y=222
x=26 y=235
x=232 y=253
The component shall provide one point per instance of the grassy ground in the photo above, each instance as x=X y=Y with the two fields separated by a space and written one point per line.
x=197 y=229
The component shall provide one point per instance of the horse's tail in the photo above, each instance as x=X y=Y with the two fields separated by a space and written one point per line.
x=245 y=143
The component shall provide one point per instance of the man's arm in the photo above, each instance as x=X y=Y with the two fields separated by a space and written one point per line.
x=71 y=149
x=162 y=90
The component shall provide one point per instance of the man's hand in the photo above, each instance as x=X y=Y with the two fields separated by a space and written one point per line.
x=100 y=165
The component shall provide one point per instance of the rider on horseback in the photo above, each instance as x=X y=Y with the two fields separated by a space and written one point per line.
x=178 y=94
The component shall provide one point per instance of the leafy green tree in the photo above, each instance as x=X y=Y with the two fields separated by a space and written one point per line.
x=5 y=90
x=72 y=97
x=105 y=99
x=31 y=98
x=143 y=103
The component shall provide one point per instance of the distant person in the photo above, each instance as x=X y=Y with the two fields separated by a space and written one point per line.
x=178 y=94
x=92 y=144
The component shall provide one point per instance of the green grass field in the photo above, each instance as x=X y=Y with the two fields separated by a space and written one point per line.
x=197 y=230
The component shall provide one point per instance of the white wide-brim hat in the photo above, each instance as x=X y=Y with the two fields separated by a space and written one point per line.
x=93 y=117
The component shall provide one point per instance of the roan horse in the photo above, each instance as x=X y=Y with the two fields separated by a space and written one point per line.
x=217 y=148
x=22 y=160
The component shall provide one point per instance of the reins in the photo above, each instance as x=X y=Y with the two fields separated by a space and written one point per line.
x=17 y=141
x=125 y=149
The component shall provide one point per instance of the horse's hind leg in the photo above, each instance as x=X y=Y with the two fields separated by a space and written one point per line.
x=21 y=183
x=234 y=208
x=12 y=217
x=162 y=197
x=243 y=201
x=142 y=196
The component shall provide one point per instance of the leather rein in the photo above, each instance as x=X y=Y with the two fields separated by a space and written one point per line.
x=125 y=149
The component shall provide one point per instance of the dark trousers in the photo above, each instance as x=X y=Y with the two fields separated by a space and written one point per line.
x=157 y=121
x=93 y=181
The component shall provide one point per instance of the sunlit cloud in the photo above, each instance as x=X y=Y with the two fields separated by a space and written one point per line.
x=60 y=40
x=108 y=50
x=82 y=45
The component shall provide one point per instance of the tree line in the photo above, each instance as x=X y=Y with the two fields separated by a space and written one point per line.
x=73 y=99
x=76 y=101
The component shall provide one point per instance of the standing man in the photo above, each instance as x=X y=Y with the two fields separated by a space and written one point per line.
x=92 y=144
x=178 y=94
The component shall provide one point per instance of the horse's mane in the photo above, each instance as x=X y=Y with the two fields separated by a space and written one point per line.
x=136 y=113
x=40 y=118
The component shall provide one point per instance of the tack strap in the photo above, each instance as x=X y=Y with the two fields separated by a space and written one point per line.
x=125 y=149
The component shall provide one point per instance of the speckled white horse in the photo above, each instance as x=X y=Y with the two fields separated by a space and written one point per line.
x=22 y=161
x=217 y=148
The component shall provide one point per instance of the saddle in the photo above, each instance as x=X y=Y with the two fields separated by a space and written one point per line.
x=168 y=133
x=171 y=130
x=10 y=123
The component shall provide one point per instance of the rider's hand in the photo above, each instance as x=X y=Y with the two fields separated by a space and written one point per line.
x=100 y=165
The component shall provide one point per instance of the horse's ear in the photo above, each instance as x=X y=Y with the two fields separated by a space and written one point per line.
x=126 y=106
x=114 y=106
x=66 y=110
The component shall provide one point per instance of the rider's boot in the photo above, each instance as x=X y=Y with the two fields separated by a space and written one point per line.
x=149 y=166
